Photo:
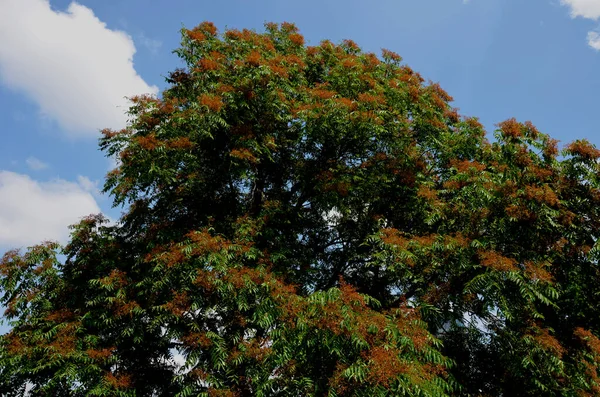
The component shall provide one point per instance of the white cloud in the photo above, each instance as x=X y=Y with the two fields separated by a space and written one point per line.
x=593 y=39
x=88 y=185
x=583 y=8
x=589 y=9
x=35 y=164
x=76 y=69
x=32 y=211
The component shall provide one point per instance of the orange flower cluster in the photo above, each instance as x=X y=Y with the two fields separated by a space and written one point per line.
x=289 y=27
x=278 y=70
x=60 y=316
x=536 y=271
x=543 y=174
x=109 y=133
x=351 y=45
x=204 y=243
x=584 y=149
x=437 y=101
x=147 y=142
x=254 y=58
x=452 y=115
x=124 y=309
x=197 y=340
x=496 y=261
x=371 y=99
x=240 y=276
x=119 y=381
x=294 y=60
x=551 y=148
x=347 y=103
x=384 y=365
x=454 y=185
x=297 y=39
x=407 y=322
x=179 y=304
x=511 y=128
x=548 y=342
x=256 y=40
x=224 y=88
x=524 y=157
x=387 y=54
x=244 y=154
x=567 y=217
x=435 y=122
x=466 y=166
x=394 y=238
x=15 y=344
x=531 y=130
x=212 y=392
x=208 y=27
x=350 y=63
x=171 y=257
x=371 y=61
x=542 y=194
x=459 y=239
x=427 y=193
x=116 y=278
x=256 y=350
x=407 y=75
x=212 y=102
x=473 y=122
x=63 y=342
x=180 y=143
x=322 y=93
x=436 y=293
x=196 y=35
x=591 y=341
x=440 y=93
x=99 y=355
x=414 y=92
x=199 y=374
x=207 y=64
x=424 y=241
x=519 y=212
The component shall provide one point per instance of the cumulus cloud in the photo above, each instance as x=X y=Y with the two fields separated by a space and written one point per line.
x=76 y=69
x=589 y=9
x=583 y=8
x=35 y=164
x=593 y=39
x=32 y=211
x=88 y=185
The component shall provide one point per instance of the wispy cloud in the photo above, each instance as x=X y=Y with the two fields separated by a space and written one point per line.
x=35 y=164
x=151 y=45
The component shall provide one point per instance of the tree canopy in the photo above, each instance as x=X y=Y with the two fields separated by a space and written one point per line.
x=315 y=220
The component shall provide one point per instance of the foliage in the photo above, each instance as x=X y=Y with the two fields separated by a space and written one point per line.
x=315 y=220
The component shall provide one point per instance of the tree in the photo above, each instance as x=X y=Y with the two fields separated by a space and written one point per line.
x=315 y=221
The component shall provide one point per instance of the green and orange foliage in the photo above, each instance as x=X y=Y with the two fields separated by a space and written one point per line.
x=315 y=220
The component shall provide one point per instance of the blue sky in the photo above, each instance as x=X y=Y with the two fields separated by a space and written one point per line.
x=65 y=68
